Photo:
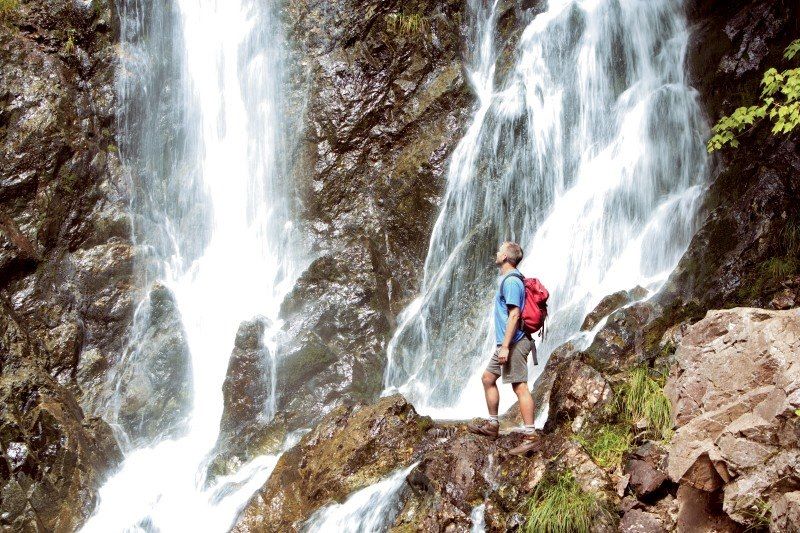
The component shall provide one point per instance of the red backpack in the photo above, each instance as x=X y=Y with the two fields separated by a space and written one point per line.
x=534 y=312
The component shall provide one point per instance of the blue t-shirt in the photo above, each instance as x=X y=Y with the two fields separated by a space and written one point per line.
x=513 y=293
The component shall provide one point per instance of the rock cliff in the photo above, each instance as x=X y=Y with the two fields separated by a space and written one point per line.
x=65 y=259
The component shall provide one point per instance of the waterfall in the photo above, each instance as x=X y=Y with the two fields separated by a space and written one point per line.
x=368 y=510
x=200 y=130
x=589 y=154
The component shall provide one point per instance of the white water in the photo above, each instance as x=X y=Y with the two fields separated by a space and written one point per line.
x=199 y=86
x=368 y=510
x=589 y=154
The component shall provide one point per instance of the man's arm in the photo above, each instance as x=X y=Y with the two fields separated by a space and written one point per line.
x=511 y=330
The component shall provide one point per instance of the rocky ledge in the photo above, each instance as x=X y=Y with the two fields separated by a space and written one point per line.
x=725 y=460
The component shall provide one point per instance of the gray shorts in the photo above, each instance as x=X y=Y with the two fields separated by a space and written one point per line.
x=515 y=370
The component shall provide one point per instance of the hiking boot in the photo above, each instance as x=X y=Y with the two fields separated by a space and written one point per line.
x=484 y=427
x=530 y=443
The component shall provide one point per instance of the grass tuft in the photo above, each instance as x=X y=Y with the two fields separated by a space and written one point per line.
x=643 y=401
x=607 y=444
x=7 y=8
x=759 y=516
x=406 y=23
x=559 y=505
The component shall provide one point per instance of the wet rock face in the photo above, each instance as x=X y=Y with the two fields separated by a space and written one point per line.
x=245 y=431
x=379 y=111
x=154 y=387
x=734 y=394
x=52 y=460
x=741 y=254
x=66 y=297
x=611 y=303
x=350 y=449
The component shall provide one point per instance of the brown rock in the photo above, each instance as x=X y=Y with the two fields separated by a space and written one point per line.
x=785 y=512
x=611 y=303
x=734 y=391
x=351 y=448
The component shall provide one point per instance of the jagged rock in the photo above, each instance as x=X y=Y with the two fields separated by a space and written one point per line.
x=734 y=393
x=611 y=303
x=351 y=448
x=636 y=521
x=65 y=259
x=620 y=343
x=380 y=112
x=788 y=297
x=52 y=460
x=785 y=512
x=245 y=431
x=578 y=390
x=646 y=467
x=154 y=390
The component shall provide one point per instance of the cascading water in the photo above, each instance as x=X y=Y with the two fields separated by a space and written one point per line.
x=200 y=128
x=590 y=155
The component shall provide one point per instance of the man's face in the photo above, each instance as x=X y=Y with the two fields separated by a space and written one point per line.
x=500 y=258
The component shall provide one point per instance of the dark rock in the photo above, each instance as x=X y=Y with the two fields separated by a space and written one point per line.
x=245 y=429
x=66 y=291
x=645 y=478
x=621 y=342
x=611 y=303
x=154 y=389
x=380 y=112
x=52 y=460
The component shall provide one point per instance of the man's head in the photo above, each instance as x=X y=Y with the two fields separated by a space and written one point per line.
x=509 y=252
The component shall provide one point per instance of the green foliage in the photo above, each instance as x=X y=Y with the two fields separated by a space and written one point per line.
x=607 y=444
x=69 y=46
x=406 y=23
x=641 y=399
x=559 y=505
x=780 y=101
x=8 y=8
x=758 y=516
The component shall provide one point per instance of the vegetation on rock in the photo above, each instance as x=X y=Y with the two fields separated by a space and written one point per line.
x=607 y=444
x=780 y=101
x=560 y=505
x=642 y=402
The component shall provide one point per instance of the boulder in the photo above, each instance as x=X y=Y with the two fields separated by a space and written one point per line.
x=351 y=448
x=636 y=521
x=245 y=429
x=154 y=383
x=785 y=512
x=611 y=303
x=734 y=392
x=646 y=468
x=52 y=459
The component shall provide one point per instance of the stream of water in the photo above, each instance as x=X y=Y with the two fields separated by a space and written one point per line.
x=589 y=153
x=199 y=85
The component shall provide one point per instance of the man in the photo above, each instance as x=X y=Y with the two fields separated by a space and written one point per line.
x=510 y=358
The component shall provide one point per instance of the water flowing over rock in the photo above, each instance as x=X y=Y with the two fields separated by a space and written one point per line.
x=349 y=450
x=247 y=391
x=154 y=380
x=735 y=392
x=380 y=109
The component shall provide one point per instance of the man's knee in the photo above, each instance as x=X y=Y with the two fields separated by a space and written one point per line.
x=521 y=389
x=488 y=379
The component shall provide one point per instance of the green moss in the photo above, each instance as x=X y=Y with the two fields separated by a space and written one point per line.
x=607 y=444
x=559 y=505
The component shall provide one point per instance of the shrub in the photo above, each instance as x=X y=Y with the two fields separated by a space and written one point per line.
x=559 y=505
x=780 y=101
x=642 y=401
x=607 y=444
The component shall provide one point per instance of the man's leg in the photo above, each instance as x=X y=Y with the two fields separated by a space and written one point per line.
x=489 y=381
x=525 y=402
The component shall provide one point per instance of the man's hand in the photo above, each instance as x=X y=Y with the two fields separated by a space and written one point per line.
x=502 y=355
